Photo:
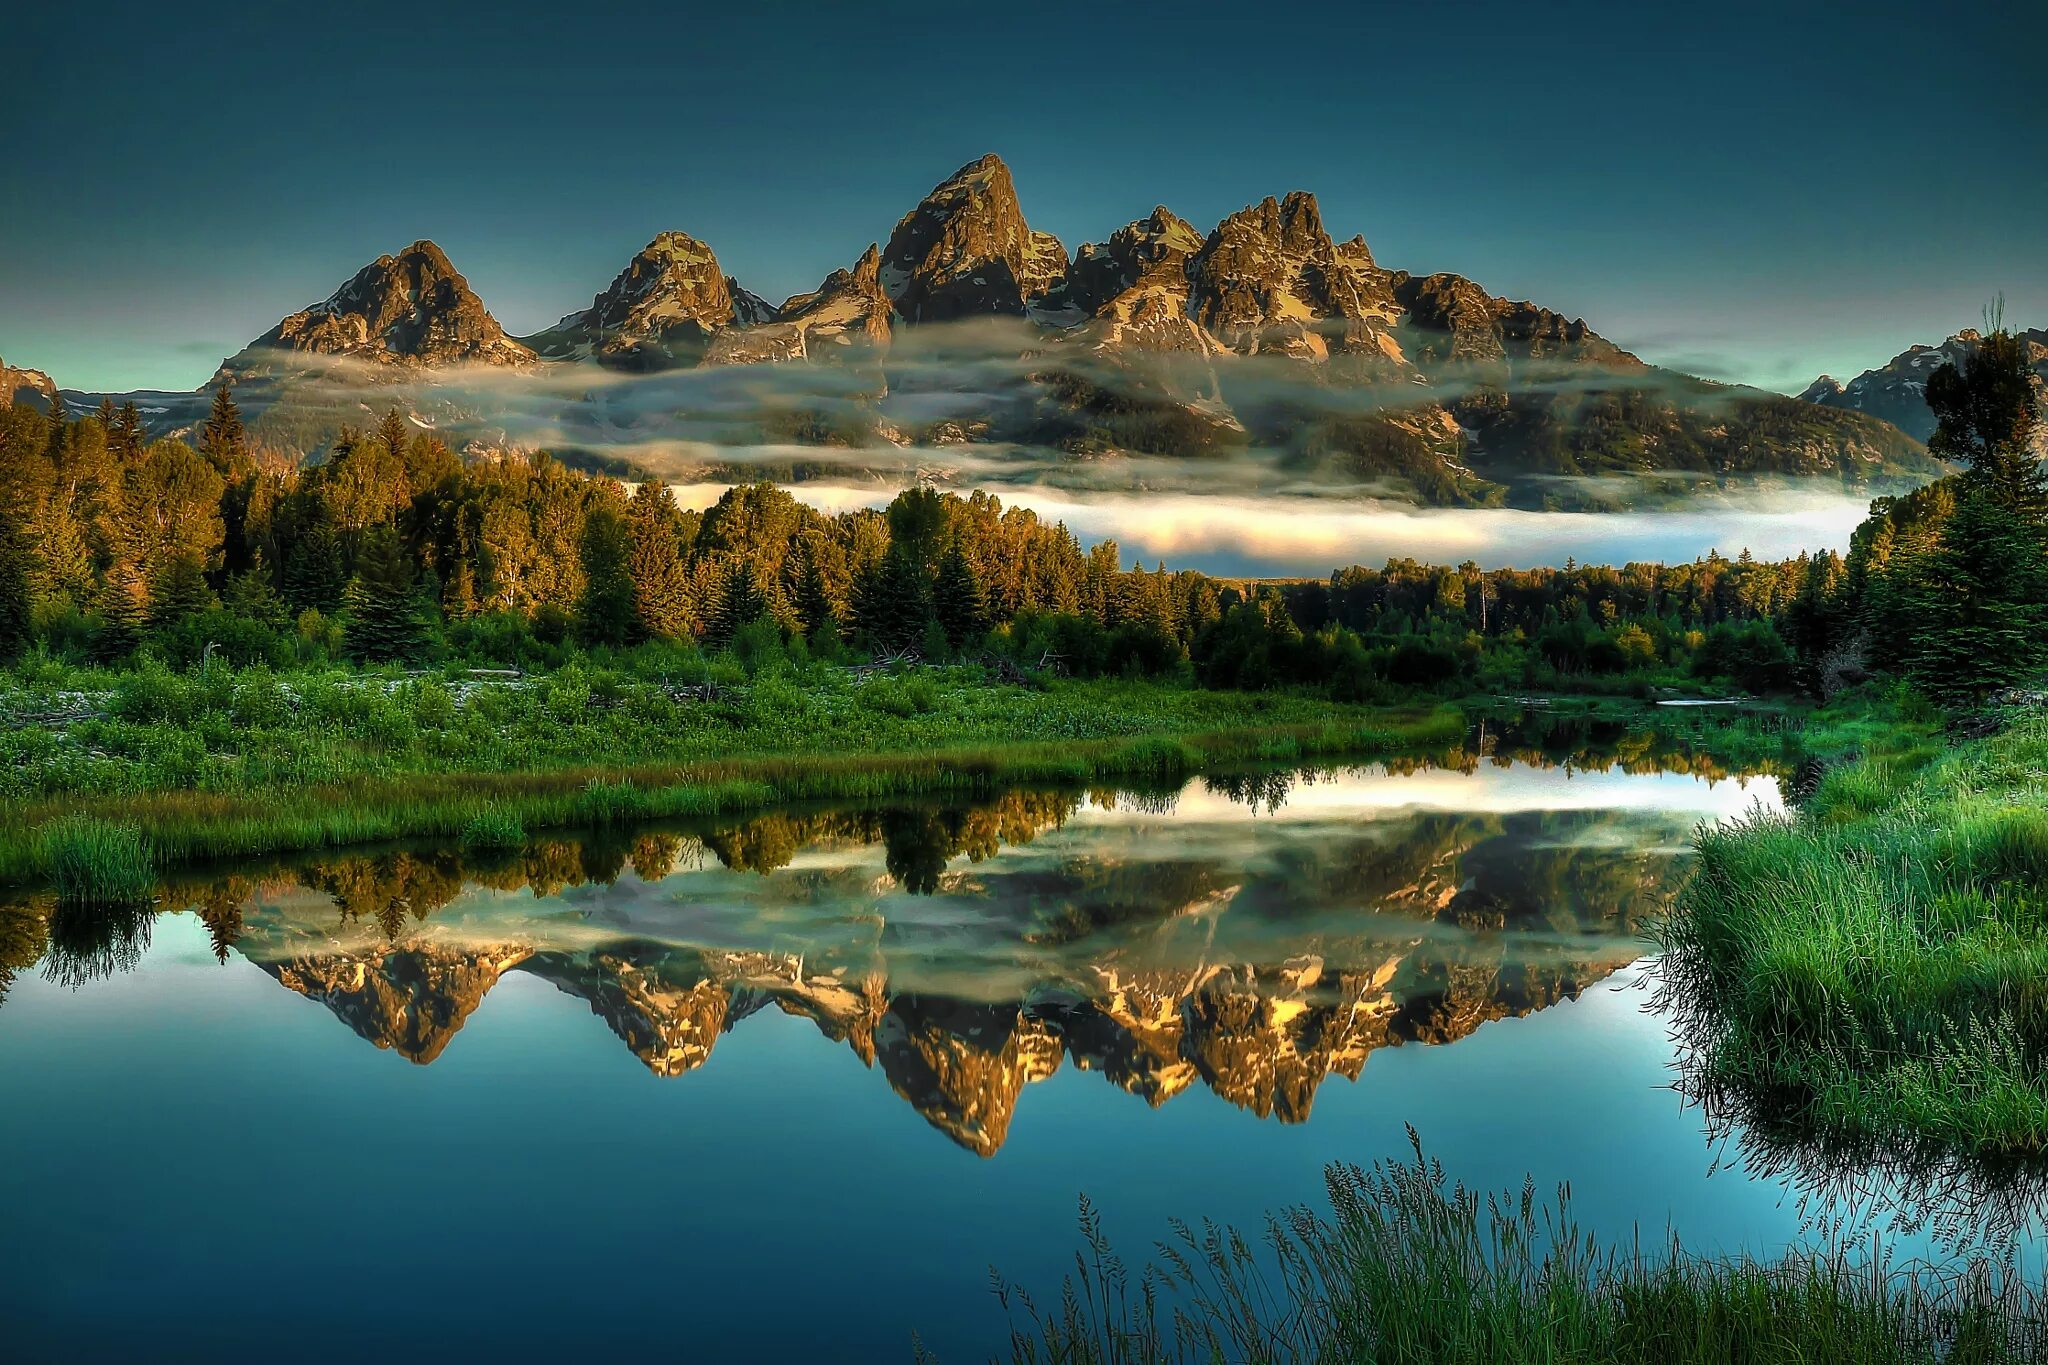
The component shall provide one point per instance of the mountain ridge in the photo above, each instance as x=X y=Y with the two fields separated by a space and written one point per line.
x=1263 y=334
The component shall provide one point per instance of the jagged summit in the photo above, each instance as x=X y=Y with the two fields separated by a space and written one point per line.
x=411 y=309
x=966 y=251
x=662 y=310
x=1896 y=391
x=849 y=309
x=18 y=385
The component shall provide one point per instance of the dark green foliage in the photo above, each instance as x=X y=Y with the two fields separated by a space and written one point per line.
x=180 y=591
x=1976 y=608
x=741 y=602
x=223 y=441
x=892 y=601
x=606 y=614
x=1986 y=416
x=660 y=584
x=313 y=574
x=386 y=619
x=958 y=599
x=14 y=588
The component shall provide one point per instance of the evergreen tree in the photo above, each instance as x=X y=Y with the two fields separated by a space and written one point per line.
x=959 y=600
x=740 y=603
x=313 y=573
x=1978 y=604
x=251 y=596
x=605 y=614
x=15 y=617
x=385 y=618
x=179 y=591
x=394 y=433
x=123 y=603
x=222 y=440
x=124 y=433
x=892 y=601
x=812 y=597
x=661 y=585
x=1987 y=417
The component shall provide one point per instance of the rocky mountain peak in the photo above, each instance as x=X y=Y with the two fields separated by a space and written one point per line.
x=849 y=309
x=412 y=309
x=1896 y=391
x=661 y=310
x=1269 y=279
x=966 y=251
x=18 y=385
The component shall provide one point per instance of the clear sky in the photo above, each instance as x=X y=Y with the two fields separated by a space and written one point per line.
x=1752 y=192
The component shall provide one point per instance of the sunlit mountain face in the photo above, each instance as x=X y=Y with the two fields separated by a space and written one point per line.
x=1249 y=936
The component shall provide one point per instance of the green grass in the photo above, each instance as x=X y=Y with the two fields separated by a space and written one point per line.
x=97 y=863
x=493 y=827
x=1405 y=1269
x=218 y=763
x=1873 y=968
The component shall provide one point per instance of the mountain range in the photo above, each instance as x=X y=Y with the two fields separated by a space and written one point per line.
x=1263 y=344
x=1897 y=390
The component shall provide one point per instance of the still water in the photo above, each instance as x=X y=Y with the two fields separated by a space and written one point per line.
x=790 y=1089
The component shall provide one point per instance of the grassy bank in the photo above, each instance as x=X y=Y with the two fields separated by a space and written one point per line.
x=221 y=762
x=1403 y=1269
x=1873 y=968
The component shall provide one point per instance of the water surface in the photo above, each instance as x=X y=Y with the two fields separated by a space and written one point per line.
x=790 y=1087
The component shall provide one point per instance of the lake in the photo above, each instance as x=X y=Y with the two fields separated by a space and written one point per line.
x=791 y=1087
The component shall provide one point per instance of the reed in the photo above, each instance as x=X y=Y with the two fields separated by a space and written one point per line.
x=95 y=862
x=1404 y=1268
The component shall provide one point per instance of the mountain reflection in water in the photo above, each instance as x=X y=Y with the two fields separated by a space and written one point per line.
x=1253 y=935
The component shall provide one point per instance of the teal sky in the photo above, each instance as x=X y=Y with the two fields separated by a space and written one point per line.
x=1751 y=192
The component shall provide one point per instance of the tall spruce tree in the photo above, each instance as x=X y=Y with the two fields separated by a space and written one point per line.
x=741 y=602
x=15 y=614
x=1988 y=417
x=810 y=594
x=223 y=441
x=1978 y=603
x=959 y=600
x=605 y=613
x=179 y=591
x=661 y=585
x=386 y=620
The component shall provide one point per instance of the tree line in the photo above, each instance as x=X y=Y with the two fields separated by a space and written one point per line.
x=392 y=548
x=1946 y=586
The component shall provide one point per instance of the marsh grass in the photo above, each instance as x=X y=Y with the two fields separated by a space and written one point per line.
x=1406 y=1269
x=97 y=862
x=493 y=828
x=1877 y=962
x=191 y=826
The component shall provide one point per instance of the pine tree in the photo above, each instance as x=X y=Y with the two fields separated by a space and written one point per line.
x=393 y=433
x=1977 y=606
x=661 y=586
x=313 y=575
x=124 y=434
x=222 y=440
x=958 y=599
x=812 y=597
x=1987 y=417
x=892 y=602
x=123 y=602
x=385 y=618
x=740 y=603
x=252 y=596
x=605 y=613
x=14 y=589
x=179 y=591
